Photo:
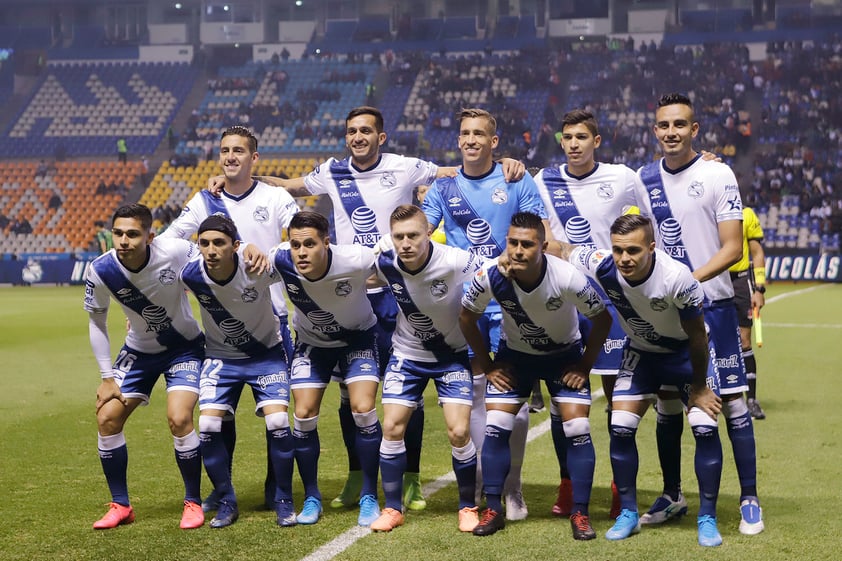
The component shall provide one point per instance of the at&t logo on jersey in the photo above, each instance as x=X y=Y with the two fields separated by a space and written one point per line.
x=234 y=331
x=323 y=321
x=364 y=221
x=156 y=319
x=578 y=230
x=670 y=231
x=532 y=334
x=643 y=329
x=478 y=233
x=423 y=327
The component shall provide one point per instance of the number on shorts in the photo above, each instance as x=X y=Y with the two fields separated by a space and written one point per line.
x=211 y=368
x=630 y=360
x=125 y=361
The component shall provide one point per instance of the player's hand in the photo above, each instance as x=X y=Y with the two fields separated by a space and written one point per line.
x=503 y=264
x=255 y=260
x=107 y=391
x=500 y=377
x=215 y=185
x=574 y=378
x=513 y=170
x=708 y=156
x=480 y=366
x=705 y=399
x=758 y=300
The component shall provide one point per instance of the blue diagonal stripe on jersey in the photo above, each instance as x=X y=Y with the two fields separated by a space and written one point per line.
x=607 y=275
x=564 y=206
x=215 y=205
x=244 y=341
x=504 y=291
x=352 y=200
x=650 y=175
x=434 y=339
x=111 y=273
x=301 y=300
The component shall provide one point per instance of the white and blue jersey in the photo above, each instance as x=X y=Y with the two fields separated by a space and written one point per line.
x=333 y=309
x=153 y=300
x=543 y=320
x=650 y=311
x=236 y=314
x=581 y=211
x=429 y=301
x=477 y=211
x=686 y=206
x=363 y=200
x=261 y=214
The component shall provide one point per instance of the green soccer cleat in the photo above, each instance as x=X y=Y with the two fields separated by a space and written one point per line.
x=350 y=495
x=412 y=497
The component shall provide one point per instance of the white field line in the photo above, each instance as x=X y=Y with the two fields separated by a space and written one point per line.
x=346 y=539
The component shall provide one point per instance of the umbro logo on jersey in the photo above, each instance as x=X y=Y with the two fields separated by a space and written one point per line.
x=292 y=289
x=397 y=288
x=344 y=182
x=124 y=291
x=204 y=298
x=454 y=201
x=655 y=193
x=560 y=194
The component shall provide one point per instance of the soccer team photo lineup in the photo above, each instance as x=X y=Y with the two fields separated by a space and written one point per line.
x=455 y=253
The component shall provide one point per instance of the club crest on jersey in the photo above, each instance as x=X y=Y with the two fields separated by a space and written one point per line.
x=249 y=294
x=554 y=304
x=658 y=304
x=166 y=277
x=388 y=179
x=696 y=189
x=499 y=196
x=343 y=288
x=605 y=191
x=261 y=214
x=438 y=288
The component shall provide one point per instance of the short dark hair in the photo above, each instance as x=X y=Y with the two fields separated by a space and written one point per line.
x=137 y=211
x=529 y=220
x=675 y=99
x=220 y=223
x=576 y=116
x=309 y=219
x=405 y=212
x=239 y=130
x=628 y=223
x=367 y=110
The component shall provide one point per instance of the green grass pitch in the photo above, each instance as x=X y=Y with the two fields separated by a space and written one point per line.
x=52 y=487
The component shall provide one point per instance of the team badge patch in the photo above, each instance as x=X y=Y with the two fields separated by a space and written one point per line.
x=388 y=179
x=554 y=304
x=343 y=288
x=658 y=304
x=261 y=214
x=605 y=191
x=249 y=295
x=438 y=288
x=166 y=277
x=696 y=190
x=499 y=196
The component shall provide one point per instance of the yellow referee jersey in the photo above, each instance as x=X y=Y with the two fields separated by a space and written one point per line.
x=751 y=231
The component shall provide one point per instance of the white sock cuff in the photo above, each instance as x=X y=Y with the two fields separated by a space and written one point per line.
x=392 y=447
x=626 y=419
x=277 y=421
x=111 y=442
x=698 y=418
x=365 y=419
x=734 y=408
x=465 y=452
x=308 y=424
x=576 y=427
x=189 y=441
x=210 y=423
x=502 y=419
x=669 y=407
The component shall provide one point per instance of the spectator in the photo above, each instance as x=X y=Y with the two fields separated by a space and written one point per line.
x=104 y=241
x=122 y=150
x=42 y=169
x=21 y=226
x=101 y=187
x=144 y=171
x=55 y=201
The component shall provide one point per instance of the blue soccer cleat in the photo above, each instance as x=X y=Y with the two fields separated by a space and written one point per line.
x=286 y=514
x=212 y=502
x=226 y=514
x=709 y=535
x=311 y=512
x=369 y=510
x=751 y=515
x=627 y=523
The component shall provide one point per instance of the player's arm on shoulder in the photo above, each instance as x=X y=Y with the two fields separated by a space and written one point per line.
x=513 y=170
x=255 y=260
x=731 y=250
x=295 y=186
x=447 y=171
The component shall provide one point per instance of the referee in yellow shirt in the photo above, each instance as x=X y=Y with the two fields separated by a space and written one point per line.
x=748 y=276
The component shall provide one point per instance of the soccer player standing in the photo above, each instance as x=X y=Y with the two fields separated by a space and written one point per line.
x=540 y=340
x=261 y=213
x=163 y=338
x=426 y=279
x=659 y=306
x=476 y=207
x=243 y=346
x=697 y=210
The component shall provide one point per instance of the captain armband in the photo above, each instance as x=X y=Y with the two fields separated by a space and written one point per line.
x=759 y=275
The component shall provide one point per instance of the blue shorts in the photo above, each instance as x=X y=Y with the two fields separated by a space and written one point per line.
x=724 y=334
x=223 y=380
x=406 y=379
x=313 y=367
x=643 y=373
x=386 y=309
x=527 y=368
x=140 y=371
x=489 y=325
x=611 y=355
